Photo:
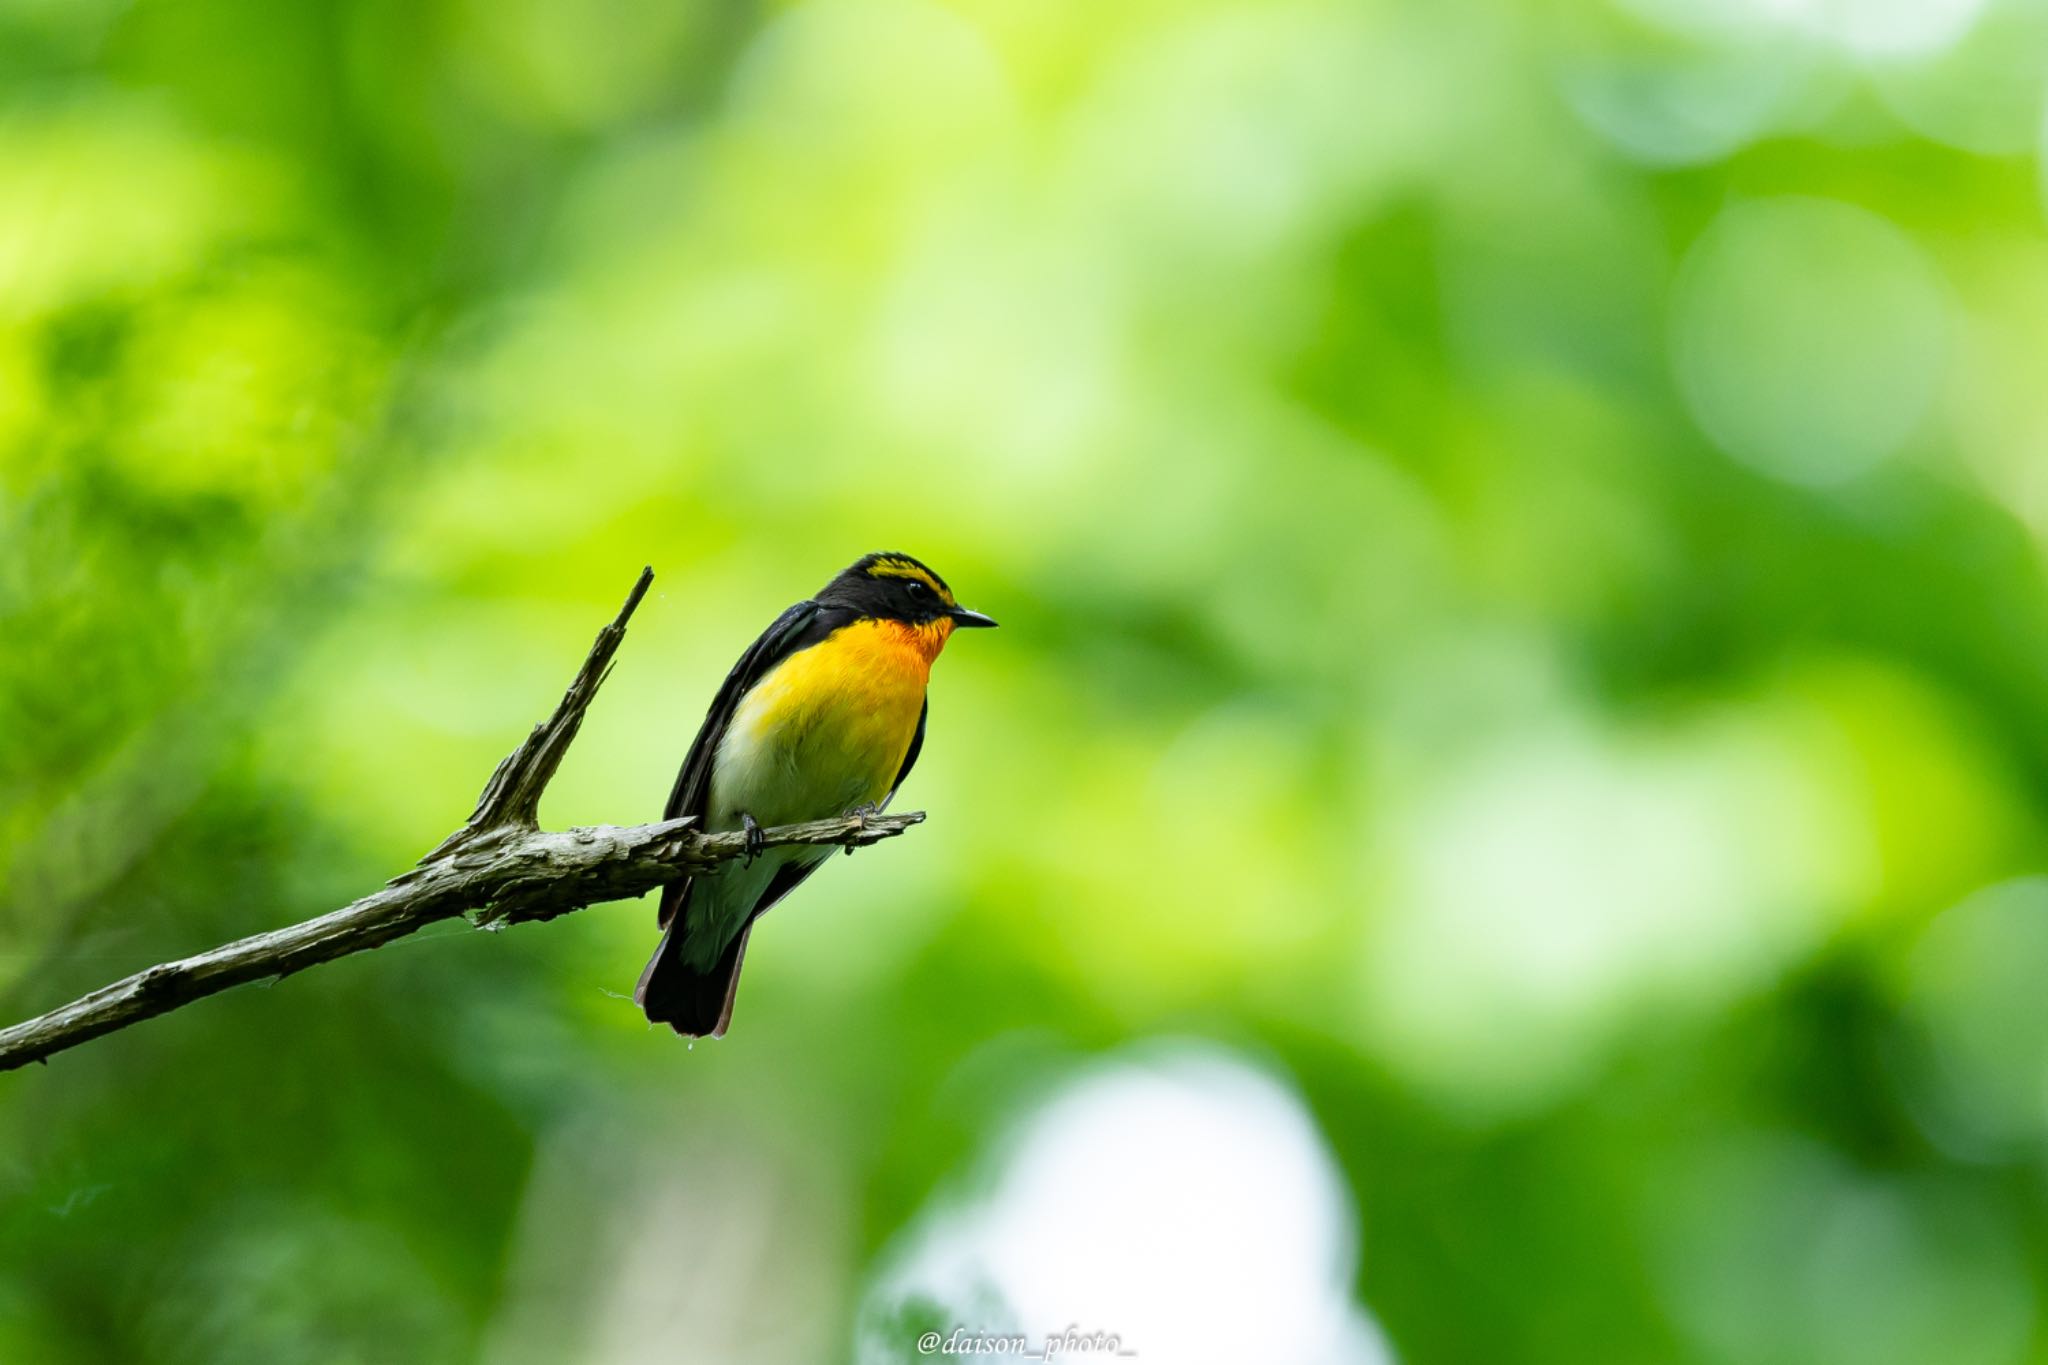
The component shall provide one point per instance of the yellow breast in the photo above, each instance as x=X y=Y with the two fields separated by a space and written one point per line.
x=827 y=729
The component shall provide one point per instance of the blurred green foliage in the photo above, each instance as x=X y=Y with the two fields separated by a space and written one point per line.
x=1518 y=533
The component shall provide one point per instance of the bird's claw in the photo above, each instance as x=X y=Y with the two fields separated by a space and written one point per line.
x=755 y=842
x=861 y=813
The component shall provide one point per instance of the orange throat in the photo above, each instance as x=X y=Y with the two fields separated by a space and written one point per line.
x=925 y=641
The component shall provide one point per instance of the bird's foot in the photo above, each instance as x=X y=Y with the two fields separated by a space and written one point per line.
x=861 y=813
x=755 y=843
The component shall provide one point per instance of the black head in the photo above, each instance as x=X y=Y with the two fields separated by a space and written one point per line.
x=896 y=587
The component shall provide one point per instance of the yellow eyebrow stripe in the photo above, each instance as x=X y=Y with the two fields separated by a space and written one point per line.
x=901 y=568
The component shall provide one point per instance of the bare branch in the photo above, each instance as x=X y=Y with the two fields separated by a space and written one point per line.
x=512 y=796
x=497 y=869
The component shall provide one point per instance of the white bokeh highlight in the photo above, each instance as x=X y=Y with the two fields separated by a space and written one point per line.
x=1870 y=29
x=1180 y=1198
x=1808 y=336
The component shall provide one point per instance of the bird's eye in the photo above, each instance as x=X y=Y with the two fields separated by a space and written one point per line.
x=918 y=589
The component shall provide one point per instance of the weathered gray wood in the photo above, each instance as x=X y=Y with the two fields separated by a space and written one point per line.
x=497 y=869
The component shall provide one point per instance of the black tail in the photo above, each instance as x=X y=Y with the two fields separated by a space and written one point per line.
x=693 y=1003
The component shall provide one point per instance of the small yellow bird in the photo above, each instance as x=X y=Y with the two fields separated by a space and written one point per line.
x=823 y=715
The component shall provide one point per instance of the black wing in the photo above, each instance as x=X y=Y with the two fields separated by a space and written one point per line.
x=910 y=754
x=786 y=880
x=801 y=626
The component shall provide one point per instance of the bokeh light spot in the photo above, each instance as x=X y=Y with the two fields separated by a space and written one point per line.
x=1808 y=337
x=1179 y=1198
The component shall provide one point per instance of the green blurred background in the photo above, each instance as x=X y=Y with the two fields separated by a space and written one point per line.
x=1504 y=822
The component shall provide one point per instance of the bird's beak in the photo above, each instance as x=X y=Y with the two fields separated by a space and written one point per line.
x=963 y=617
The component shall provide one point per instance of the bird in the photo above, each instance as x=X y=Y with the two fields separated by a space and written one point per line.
x=823 y=715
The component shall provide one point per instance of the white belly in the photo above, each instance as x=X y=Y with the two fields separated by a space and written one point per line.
x=784 y=778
